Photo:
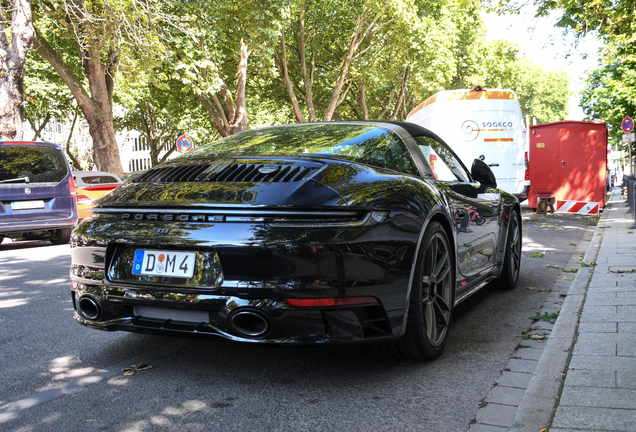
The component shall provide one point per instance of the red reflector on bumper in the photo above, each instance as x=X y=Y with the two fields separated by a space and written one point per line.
x=326 y=302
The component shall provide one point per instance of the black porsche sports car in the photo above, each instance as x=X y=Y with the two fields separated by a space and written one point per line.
x=316 y=233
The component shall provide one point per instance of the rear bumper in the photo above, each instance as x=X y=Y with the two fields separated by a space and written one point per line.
x=523 y=195
x=214 y=316
x=14 y=229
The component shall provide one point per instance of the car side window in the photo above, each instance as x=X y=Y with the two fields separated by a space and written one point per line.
x=442 y=163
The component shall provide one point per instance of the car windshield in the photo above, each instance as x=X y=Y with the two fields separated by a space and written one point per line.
x=366 y=144
x=37 y=163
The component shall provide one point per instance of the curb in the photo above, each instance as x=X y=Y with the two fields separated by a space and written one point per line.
x=541 y=398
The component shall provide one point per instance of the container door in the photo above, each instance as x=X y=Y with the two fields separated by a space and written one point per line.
x=544 y=164
x=582 y=162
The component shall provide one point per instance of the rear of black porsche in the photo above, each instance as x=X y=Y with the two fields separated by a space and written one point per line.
x=246 y=250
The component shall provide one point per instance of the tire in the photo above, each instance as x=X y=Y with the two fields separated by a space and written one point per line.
x=431 y=301
x=61 y=236
x=512 y=258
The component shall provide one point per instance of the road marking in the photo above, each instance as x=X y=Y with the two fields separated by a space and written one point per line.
x=15 y=408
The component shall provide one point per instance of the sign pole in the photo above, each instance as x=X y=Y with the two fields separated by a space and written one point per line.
x=628 y=126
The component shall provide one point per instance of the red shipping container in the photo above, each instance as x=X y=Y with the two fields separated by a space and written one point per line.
x=568 y=161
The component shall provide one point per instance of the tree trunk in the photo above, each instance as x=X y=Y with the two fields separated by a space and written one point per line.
x=353 y=53
x=308 y=79
x=282 y=61
x=105 y=148
x=398 y=104
x=39 y=130
x=12 y=59
x=363 y=101
x=232 y=118
x=239 y=116
x=96 y=107
x=72 y=158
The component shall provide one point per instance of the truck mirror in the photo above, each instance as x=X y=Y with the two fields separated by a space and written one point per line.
x=482 y=174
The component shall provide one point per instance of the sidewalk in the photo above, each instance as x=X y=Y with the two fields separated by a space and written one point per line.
x=586 y=377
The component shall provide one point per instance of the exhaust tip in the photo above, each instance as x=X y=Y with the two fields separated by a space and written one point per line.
x=89 y=308
x=250 y=323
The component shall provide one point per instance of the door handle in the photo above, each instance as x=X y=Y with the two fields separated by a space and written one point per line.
x=493 y=164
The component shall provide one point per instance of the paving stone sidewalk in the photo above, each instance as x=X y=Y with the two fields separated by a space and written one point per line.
x=585 y=379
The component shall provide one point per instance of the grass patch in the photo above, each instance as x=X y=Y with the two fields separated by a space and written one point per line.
x=533 y=336
x=549 y=318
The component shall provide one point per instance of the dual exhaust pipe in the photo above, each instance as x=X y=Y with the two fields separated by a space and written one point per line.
x=88 y=307
x=249 y=323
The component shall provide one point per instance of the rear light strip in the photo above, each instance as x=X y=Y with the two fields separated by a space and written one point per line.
x=332 y=301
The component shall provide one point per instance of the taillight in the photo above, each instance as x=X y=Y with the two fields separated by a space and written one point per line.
x=526 y=160
x=84 y=200
x=71 y=187
x=332 y=301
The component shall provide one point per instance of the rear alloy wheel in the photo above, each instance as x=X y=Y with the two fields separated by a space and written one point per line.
x=61 y=236
x=512 y=259
x=431 y=301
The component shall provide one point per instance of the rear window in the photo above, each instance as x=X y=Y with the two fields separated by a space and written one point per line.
x=38 y=164
x=366 y=144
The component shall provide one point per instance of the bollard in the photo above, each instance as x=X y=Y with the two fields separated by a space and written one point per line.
x=632 y=204
x=630 y=195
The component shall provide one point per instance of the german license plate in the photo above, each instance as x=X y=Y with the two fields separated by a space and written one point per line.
x=27 y=205
x=164 y=263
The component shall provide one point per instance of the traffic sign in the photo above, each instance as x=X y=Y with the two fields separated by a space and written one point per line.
x=630 y=137
x=184 y=144
x=627 y=124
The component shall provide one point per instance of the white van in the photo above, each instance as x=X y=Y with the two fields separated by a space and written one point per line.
x=481 y=124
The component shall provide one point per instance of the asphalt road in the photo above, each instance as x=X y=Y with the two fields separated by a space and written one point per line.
x=58 y=375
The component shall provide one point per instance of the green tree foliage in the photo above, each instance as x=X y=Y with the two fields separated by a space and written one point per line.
x=608 y=95
x=495 y=68
x=610 y=92
x=543 y=94
x=373 y=60
x=613 y=20
x=209 y=68
x=209 y=47
x=161 y=108
x=46 y=95
x=88 y=43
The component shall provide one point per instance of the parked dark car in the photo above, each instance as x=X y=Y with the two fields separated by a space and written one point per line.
x=37 y=193
x=339 y=232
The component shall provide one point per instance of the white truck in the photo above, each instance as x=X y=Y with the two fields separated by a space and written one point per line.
x=481 y=124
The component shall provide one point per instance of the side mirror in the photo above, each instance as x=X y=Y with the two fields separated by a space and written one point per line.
x=482 y=174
